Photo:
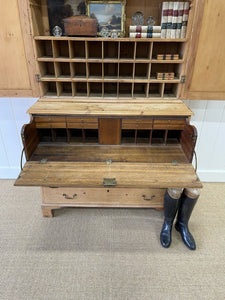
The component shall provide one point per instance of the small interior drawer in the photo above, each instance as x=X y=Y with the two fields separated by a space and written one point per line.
x=50 y=122
x=81 y=120
x=173 y=124
x=49 y=119
x=77 y=123
x=137 y=123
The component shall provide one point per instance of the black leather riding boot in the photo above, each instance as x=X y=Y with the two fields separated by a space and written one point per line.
x=184 y=212
x=170 y=210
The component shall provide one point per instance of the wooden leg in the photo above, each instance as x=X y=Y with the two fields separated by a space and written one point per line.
x=159 y=208
x=47 y=211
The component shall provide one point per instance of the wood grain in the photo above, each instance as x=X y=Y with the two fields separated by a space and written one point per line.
x=131 y=153
x=154 y=108
x=206 y=53
x=109 y=131
x=103 y=197
x=92 y=174
x=188 y=141
x=14 y=74
x=30 y=138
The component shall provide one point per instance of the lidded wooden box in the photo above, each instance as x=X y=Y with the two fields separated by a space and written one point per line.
x=80 y=26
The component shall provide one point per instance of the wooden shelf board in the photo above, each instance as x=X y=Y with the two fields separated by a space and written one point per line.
x=176 y=80
x=62 y=57
x=157 y=61
x=113 y=98
x=125 y=95
x=142 y=60
x=108 y=95
x=78 y=59
x=46 y=59
x=169 y=96
x=110 y=78
x=154 y=95
x=139 y=95
x=94 y=78
x=65 y=94
x=79 y=79
x=141 y=153
x=97 y=95
x=48 y=78
x=106 y=79
x=101 y=108
x=94 y=59
x=126 y=60
x=108 y=60
x=125 y=39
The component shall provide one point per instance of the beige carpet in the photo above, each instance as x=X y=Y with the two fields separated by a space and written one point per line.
x=107 y=253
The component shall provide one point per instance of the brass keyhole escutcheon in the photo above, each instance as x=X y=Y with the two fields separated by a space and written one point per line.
x=68 y=197
x=148 y=199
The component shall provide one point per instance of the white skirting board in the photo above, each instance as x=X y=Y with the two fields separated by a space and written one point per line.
x=209 y=120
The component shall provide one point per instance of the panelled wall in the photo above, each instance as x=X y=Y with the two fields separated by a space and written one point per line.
x=209 y=119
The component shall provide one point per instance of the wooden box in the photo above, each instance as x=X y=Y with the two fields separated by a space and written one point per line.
x=80 y=26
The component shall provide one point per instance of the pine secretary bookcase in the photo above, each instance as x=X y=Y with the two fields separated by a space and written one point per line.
x=105 y=131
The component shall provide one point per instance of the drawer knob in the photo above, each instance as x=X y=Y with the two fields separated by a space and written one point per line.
x=146 y=199
x=68 y=197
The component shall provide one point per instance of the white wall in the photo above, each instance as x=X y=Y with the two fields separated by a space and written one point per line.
x=12 y=117
x=209 y=119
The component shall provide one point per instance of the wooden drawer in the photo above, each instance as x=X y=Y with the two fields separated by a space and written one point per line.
x=169 y=124
x=50 y=119
x=137 y=123
x=50 y=122
x=87 y=123
x=104 y=197
x=81 y=120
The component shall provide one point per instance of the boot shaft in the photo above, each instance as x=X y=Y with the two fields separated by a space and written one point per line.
x=170 y=207
x=186 y=206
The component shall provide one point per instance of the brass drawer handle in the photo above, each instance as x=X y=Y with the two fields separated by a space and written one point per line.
x=68 y=197
x=146 y=199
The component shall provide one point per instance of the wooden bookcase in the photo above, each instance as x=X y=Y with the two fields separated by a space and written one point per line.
x=106 y=131
x=108 y=68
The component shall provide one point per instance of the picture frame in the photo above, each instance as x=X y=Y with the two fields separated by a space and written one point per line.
x=109 y=14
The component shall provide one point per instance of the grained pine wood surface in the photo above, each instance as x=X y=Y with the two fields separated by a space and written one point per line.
x=154 y=108
x=92 y=153
x=91 y=174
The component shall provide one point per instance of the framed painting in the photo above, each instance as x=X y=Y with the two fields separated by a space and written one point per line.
x=61 y=9
x=109 y=14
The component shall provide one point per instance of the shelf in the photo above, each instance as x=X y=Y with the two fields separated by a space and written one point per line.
x=175 y=61
x=75 y=152
x=124 y=68
x=107 y=108
x=110 y=60
x=100 y=39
